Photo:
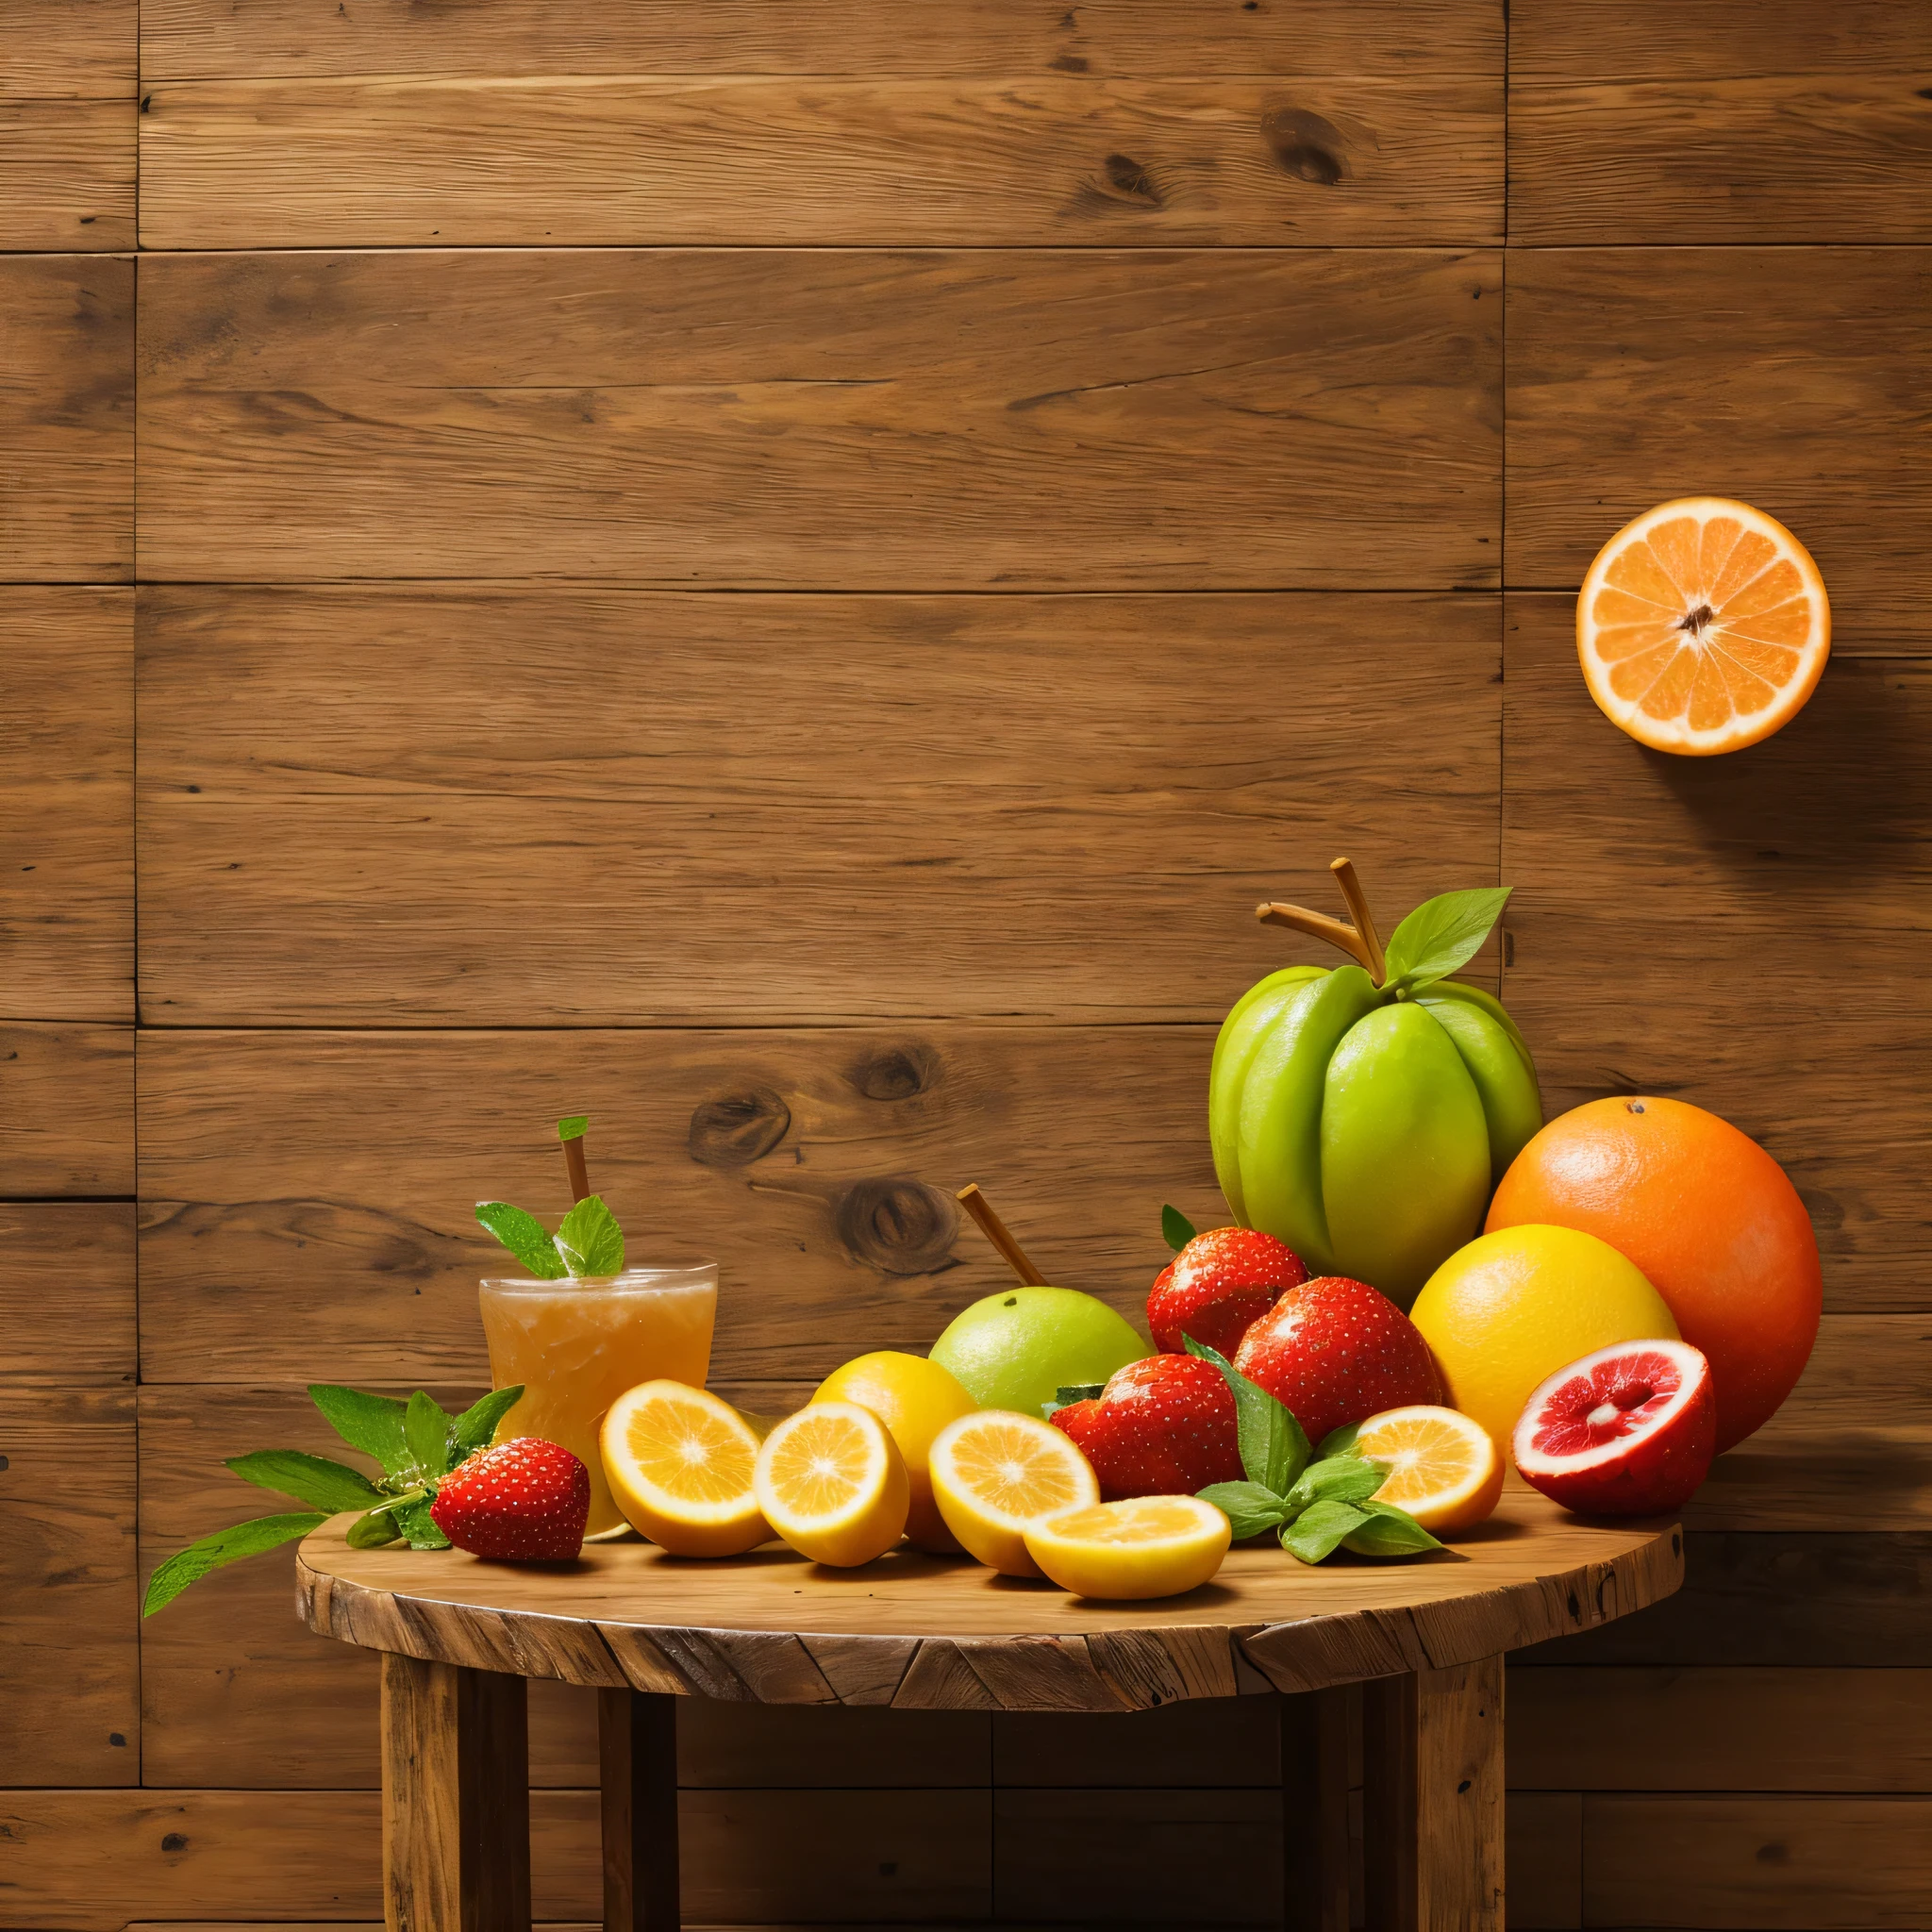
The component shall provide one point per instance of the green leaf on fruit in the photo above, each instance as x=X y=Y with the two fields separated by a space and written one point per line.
x=373 y=1423
x=1336 y=1479
x=1388 y=1531
x=523 y=1234
x=226 y=1547
x=1073 y=1391
x=1250 y=1507
x=1340 y=1441
x=425 y=1425
x=1175 y=1228
x=311 y=1479
x=1319 y=1530
x=413 y=1520
x=371 y=1531
x=1440 y=935
x=571 y=1127
x=589 y=1239
x=1273 y=1450
x=475 y=1428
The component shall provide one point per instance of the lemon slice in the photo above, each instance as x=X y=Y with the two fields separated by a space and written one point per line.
x=996 y=1472
x=1145 y=1547
x=830 y=1480
x=1443 y=1466
x=679 y=1462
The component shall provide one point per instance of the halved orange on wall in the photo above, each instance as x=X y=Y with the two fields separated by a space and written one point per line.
x=1703 y=626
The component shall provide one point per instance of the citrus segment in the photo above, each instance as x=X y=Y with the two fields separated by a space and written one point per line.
x=995 y=1472
x=1146 y=1546
x=679 y=1463
x=915 y=1399
x=830 y=1480
x=1703 y=626
x=1444 y=1466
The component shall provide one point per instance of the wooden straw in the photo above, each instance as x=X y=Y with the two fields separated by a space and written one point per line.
x=580 y=1174
x=994 y=1230
x=1318 y=926
x=1358 y=910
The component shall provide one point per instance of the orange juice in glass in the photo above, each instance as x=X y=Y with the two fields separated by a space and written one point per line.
x=578 y=1343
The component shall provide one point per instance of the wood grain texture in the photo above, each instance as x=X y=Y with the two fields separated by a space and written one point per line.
x=429 y=1878
x=593 y=161
x=1458 y=1787
x=67 y=419
x=637 y=1792
x=1803 y=374
x=824 y=418
x=341 y=786
x=1655 y=889
x=1666 y=39
x=69 y=1674
x=67 y=1293
x=67 y=175
x=67 y=802
x=63 y=50
x=66 y=1109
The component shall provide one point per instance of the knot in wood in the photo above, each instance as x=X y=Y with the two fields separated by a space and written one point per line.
x=1305 y=146
x=735 y=1129
x=893 y=1073
x=897 y=1224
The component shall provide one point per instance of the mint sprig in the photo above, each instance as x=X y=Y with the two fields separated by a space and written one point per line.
x=1317 y=1505
x=588 y=1241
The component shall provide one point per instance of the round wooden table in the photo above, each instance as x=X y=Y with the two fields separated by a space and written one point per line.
x=1425 y=1639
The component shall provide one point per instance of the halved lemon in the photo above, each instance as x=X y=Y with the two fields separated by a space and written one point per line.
x=1444 y=1466
x=1146 y=1546
x=915 y=1399
x=830 y=1480
x=679 y=1463
x=1703 y=626
x=996 y=1473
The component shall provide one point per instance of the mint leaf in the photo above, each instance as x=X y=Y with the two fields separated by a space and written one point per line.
x=1340 y=1441
x=523 y=1234
x=371 y=1531
x=1273 y=1450
x=1176 y=1230
x=1319 y=1531
x=1336 y=1479
x=426 y=1426
x=1248 y=1506
x=413 y=1520
x=476 y=1427
x=226 y=1547
x=589 y=1239
x=571 y=1127
x=311 y=1479
x=1387 y=1531
x=373 y=1423
x=1441 y=934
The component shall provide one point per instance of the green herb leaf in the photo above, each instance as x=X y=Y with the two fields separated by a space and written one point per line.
x=226 y=1547
x=413 y=1520
x=311 y=1479
x=1441 y=934
x=589 y=1239
x=1248 y=1506
x=1273 y=1450
x=476 y=1427
x=373 y=1423
x=1387 y=1531
x=1336 y=1479
x=426 y=1425
x=1319 y=1530
x=523 y=1234
x=1175 y=1228
x=1340 y=1441
x=371 y=1531
x=1072 y=1392
x=571 y=1127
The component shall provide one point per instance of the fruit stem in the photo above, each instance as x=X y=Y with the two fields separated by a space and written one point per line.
x=1358 y=910
x=994 y=1230
x=1318 y=926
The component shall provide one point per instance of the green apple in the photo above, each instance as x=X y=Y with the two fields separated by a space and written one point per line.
x=1017 y=1349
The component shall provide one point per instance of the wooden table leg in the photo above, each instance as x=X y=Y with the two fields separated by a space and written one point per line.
x=637 y=1735
x=455 y=1799
x=1314 y=1812
x=1432 y=1800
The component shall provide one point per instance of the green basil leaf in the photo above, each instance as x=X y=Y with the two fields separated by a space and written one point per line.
x=571 y=1127
x=523 y=1234
x=1319 y=1530
x=1066 y=1397
x=373 y=1423
x=311 y=1479
x=226 y=1547
x=371 y=1531
x=1273 y=1450
x=1442 y=934
x=1340 y=1441
x=1336 y=1479
x=1387 y=1531
x=476 y=1427
x=426 y=1426
x=414 y=1520
x=1248 y=1506
x=589 y=1239
x=1175 y=1228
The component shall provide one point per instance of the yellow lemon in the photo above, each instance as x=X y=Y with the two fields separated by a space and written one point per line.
x=679 y=1463
x=1513 y=1307
x=994 y=1472
x=831 y=1481
x=1146 y=1546
x=1442 y=1465
x=915 y=1399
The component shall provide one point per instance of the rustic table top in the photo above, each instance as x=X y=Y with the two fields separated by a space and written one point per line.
x=920 y=1632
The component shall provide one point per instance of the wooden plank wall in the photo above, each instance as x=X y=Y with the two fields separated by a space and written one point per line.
x=786 y=575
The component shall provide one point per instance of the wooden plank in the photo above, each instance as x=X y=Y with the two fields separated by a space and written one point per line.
x=985 y=38
x=1460 y=1798
x=1768 y=1863
x=1721 y=1730
x=66 y=1109
x=1542 y=1833
x=1654 y=41
x=638 y=1756
x=67 y=418
x=1112 y=772
x=1791 y=869
x=68 y=1675
x=67 y=175
x=67 y=1293
x=1039 y=419
x=1315 y=1735
x=1207 y=1743
x=424 y=1843
x=840 y=162
x=67 y=802
x=68 y=50
x=1802 y=374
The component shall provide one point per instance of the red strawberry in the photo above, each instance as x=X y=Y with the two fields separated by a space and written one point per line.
x=1219 y=1284
x=526 y=1500
x=1334 y=1351
x=1162 y=1427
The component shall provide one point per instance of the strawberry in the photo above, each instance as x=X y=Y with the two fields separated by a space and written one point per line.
x=526 y=1500
x=1335 y=1351
x=1161 y=1427
x=1216 y=1285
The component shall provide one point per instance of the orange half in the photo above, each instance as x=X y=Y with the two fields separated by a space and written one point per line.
x=1442 y=1467
x=1703 y=626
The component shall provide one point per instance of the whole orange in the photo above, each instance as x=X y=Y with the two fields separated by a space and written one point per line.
x=1707 y=1216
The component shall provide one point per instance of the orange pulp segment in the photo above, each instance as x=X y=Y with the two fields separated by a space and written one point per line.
x=1443 y=1466
x=996 y=1472
x=679 y=1462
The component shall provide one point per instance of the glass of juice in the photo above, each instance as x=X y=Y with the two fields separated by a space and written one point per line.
x=577 y=1344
